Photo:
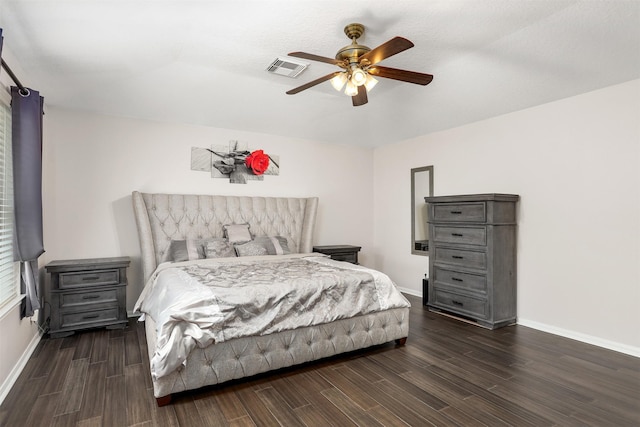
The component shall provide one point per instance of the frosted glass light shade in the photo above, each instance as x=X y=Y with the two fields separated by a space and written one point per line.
x=370 y=83
x=358 y=77
x=351 y=89
x=338 y=81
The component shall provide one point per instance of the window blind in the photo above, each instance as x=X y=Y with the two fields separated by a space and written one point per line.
x=8 y=283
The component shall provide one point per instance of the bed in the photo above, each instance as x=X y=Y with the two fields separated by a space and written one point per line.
x=188 y=349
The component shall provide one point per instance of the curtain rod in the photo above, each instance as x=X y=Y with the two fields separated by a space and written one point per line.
x=23 y=90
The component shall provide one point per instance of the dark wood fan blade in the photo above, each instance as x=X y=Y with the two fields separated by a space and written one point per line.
x=385 y=50
x=402 y=75
x=318 y=58
x=312 y=83
x=361 y=97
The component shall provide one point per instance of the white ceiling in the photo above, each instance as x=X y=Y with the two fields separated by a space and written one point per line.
x=204 y=62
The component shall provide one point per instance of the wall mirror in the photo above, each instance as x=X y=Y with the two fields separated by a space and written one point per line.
x=421 y=187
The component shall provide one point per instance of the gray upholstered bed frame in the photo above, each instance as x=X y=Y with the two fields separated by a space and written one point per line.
x=164 y=217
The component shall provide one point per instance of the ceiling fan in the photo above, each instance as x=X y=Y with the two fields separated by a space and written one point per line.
x=359 y=64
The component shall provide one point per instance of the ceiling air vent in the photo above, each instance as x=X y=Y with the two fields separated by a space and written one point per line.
x=287 y=67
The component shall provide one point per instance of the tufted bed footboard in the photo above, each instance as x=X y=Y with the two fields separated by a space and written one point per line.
x=244 y=357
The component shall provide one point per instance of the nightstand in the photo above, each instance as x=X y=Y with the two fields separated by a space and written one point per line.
x=87 y=293
x=340 y=252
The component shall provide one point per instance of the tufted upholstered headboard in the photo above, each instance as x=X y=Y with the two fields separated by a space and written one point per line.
x=164 y=217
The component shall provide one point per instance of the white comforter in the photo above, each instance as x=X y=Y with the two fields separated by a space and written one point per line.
x=213 y=300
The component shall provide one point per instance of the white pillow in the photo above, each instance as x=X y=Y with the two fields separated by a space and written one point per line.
x=237 y=233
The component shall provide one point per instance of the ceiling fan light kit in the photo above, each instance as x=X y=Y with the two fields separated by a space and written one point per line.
x=359 y=63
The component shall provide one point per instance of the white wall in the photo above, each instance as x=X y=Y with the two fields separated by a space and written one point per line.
x=576 y=165
x=94 y=162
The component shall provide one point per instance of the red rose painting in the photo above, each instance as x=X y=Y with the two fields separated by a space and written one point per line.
x=258 y=162
x=236 y=162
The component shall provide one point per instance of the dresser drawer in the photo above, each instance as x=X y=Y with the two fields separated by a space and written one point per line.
x=84 y=278
x=472 y=282
x=462 y=304
x=459 y=212
x=88 y=318
x=76 y=300
x=473 y=259
x=464 y=235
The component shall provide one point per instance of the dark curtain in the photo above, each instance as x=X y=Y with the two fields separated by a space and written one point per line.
x=27 y=184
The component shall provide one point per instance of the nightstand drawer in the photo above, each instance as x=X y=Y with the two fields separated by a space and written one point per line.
x=459 y=212
x=88 y=318
x=96 y=277
x=76 y=300
x=461 y=304
x=351 y=257
x=460 y=257
x=456 y=279
x=346 y=253
x=463 y=235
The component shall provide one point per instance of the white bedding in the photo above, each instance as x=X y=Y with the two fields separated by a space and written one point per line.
x=196 y=303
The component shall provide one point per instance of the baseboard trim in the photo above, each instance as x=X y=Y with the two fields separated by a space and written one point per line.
x=5 y=387
x=410 y=291
x=585 y=338
x=589 y=339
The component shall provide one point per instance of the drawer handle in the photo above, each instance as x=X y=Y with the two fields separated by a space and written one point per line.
x=456 y=212
x=457 y=257
x=91 y=316
x=91 y=278
x=91 y=297
x=456 y=234
x=457 y=303
x=455 y=279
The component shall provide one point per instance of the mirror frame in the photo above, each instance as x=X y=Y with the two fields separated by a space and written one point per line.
x=414 y=171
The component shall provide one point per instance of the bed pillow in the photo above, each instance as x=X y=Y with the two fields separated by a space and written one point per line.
x=218 y=248
x=237 y=233
x=184 y=250
x=250 y=249
x=263 y=245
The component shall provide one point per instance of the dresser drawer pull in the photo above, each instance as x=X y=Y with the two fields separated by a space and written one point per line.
x=457 y=257
x=455 y=279
x=91 y=316
x=456 y=234
x=91 y=297
x=456 y=212
x=457 y=303
x=90 y=278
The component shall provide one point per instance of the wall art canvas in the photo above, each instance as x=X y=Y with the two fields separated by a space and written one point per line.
x=235 y=162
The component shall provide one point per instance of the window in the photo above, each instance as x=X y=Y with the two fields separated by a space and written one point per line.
x=8 y=282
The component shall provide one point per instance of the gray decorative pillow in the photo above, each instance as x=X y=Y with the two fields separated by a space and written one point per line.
x=237 y=233
x=219 y=248
x=184 y=250
x=250 y=249
x=263 y=245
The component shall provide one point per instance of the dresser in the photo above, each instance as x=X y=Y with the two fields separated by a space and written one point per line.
x=346 y=253
x=472 y=257
x=87 y=293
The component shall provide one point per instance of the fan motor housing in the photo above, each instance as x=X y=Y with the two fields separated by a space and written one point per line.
x=352 y=52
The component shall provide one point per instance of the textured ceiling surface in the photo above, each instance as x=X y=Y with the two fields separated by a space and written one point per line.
x=204 y=62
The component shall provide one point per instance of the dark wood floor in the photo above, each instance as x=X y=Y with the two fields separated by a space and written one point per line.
x=449 y=373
